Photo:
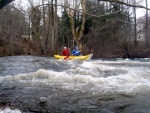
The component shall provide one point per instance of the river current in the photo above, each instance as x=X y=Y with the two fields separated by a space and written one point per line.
x=46 y=85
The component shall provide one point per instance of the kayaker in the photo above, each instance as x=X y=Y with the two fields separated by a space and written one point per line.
x=65 y=52
x=76 y=51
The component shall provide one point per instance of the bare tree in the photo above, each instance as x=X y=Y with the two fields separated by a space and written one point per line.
x=146 y=27
x=77 y=31
x=135 y=24
x=36 y=29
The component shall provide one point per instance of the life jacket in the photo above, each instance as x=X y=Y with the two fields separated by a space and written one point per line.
x=76 y=52
x=65 y=52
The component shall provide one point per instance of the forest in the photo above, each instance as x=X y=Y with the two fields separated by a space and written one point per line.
x=106 y=28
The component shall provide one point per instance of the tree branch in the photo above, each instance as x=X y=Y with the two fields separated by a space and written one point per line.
x=124 y=3
x=78 y=10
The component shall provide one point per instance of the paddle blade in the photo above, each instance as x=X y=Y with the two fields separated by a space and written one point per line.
x=66 y=57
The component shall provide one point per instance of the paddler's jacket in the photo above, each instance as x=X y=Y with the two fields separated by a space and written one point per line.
x=65 y=52
x=76 y=52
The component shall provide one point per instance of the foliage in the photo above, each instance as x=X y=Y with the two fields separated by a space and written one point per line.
x=110 y=34
x=13 y=27
x=65 y=31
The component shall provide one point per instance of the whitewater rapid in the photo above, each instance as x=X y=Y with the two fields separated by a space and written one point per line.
x=93 y=77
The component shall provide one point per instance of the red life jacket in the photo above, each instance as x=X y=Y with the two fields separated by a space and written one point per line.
x=65 y=52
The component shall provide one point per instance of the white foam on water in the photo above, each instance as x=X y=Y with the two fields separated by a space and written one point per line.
x=88 y=76
x=8 y=110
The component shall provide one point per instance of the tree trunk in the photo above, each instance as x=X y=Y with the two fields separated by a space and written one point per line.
x=77 y=34
x=44 y=28
x=36 y=33
x=52 y=23
x=56 y=26
x=146 y=27
x=135 y=24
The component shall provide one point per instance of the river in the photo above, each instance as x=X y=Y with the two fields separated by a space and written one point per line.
x=46 y=85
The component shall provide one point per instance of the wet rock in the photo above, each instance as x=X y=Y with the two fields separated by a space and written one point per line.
x=42 y=100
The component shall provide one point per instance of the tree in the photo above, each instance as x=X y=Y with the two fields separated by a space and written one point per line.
x=45 y=25
x=36 y=28
x=77 y=31
x=65 y=37
x=10 y=18
x=146 y=28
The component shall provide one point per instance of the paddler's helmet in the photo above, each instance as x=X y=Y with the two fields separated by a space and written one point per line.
x=65 y=47
x=76 y=47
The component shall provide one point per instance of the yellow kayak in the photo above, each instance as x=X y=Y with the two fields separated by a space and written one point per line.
x=86 y=57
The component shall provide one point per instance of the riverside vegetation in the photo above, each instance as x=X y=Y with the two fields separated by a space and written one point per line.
x=112 y=32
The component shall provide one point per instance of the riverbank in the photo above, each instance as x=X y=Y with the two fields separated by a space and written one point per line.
x=26 y=47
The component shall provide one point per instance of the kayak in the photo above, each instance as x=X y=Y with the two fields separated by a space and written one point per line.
x=85 y=57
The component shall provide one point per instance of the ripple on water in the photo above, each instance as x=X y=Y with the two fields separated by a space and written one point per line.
x=99 y=86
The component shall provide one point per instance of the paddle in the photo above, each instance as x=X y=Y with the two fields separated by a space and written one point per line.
x=66 y=57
